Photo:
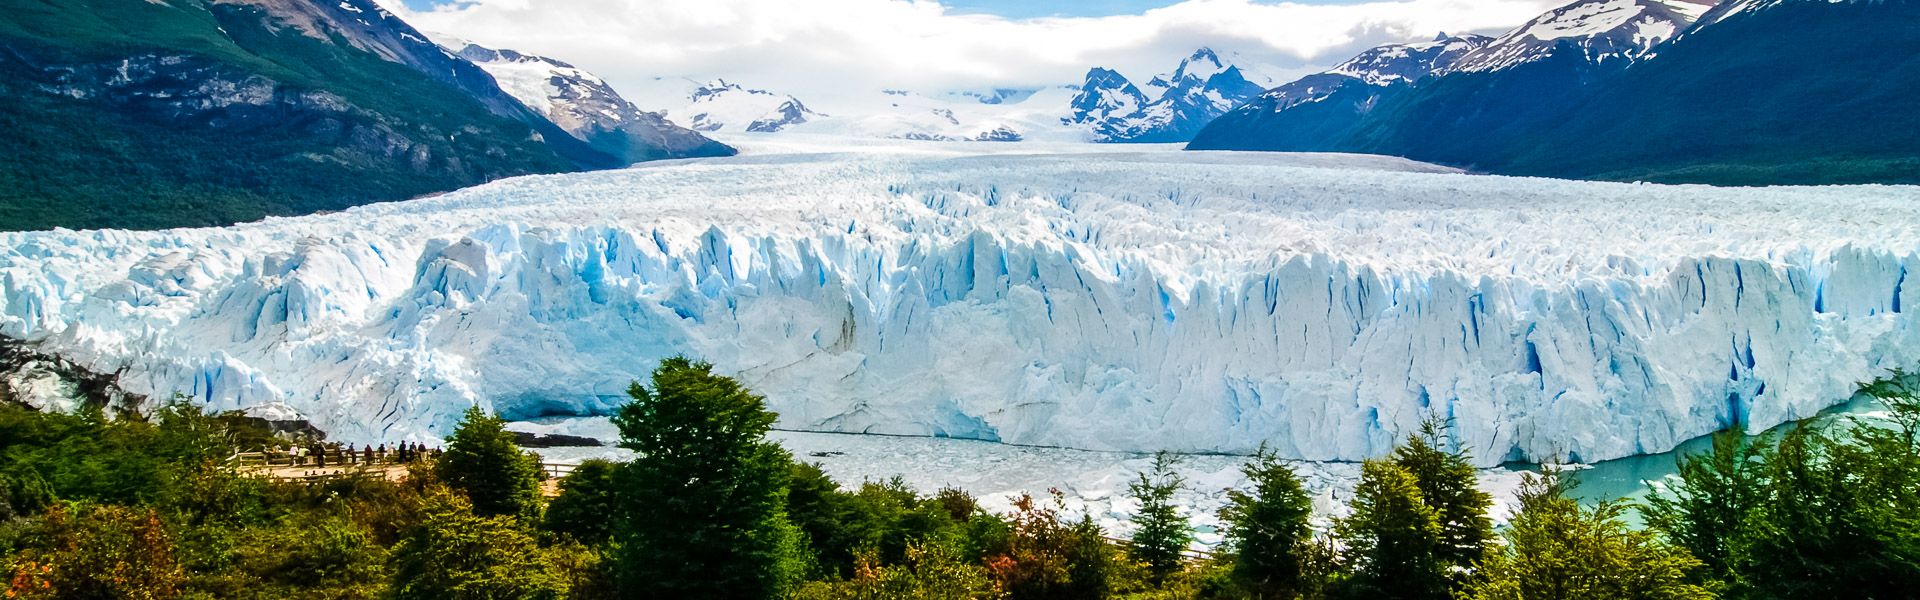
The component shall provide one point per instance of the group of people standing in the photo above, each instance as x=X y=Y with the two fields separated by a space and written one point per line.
x=317 y=454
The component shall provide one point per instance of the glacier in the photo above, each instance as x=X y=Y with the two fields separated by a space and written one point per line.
x=1121 y=299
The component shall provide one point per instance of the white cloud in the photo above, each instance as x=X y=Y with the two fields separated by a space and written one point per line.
x=821 y=49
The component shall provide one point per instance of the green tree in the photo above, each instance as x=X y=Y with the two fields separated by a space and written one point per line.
x=1812 y=513
x=1391 y=538
x=1161 y=533
x=1556 y=550
x=483 y=460
x=704 y=503
x=456 y=554
x=886 y=518
x=1267 y=527
x=1449 y=485
x=587 y=497
x=1704 y=508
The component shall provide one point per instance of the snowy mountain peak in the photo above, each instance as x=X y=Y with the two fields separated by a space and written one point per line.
x=1380 y=67
x=1106 y=97
x=1407 y=63
x=1602 y=31
x=1170 y=108
x=725 y=106
x=583 y=105
x=1201 y=65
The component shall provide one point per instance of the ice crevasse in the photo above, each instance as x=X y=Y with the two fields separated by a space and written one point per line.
x=1319 y=304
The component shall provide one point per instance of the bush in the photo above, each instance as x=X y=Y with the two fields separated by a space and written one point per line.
x=1045 y=557
x=104 y=552
x=1809 y=513
x=929 y=572
x=457 y=554
x=1556 y=550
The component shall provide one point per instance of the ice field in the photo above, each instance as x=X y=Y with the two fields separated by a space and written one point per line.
x=1087 y=297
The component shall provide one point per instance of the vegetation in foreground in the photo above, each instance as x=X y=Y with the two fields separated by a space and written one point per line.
x=151 y=508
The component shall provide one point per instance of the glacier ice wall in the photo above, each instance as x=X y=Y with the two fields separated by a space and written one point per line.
x=1188 y=301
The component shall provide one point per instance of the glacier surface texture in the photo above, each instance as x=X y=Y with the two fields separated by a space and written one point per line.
x=1210 y=302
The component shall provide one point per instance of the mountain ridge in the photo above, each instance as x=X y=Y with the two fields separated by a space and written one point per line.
x=192 y=112
x=1705 y=104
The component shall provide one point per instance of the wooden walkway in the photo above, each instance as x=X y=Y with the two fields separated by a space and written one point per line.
x=280 y=466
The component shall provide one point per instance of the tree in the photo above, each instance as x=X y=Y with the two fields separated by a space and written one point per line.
x=1392 y=538
x=456 y=554
x=484 y=461
x=1704 y=508
x=1267 y=526
x=1809 y=513
x=1449 y=485
x=703 y=505
x=1557 y=550
x=1161 y=533
x=587 y=497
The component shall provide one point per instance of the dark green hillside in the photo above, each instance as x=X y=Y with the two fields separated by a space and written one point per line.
x=1800 y=92
x=130 y=113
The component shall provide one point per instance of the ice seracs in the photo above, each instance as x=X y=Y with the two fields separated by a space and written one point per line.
x=1319 y=304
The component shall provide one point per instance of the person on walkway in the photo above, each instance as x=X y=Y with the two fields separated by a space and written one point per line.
x=319 y=455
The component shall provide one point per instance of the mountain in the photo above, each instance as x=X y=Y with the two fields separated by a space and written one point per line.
x=1723 y=103
x=1649 y=91
x=723 y=106
x=589 y=109
x=163 y=113
x=1452 y=91
x=1602 y=31
x=1108 y=103
x=1170 y=108
x=1305 y=111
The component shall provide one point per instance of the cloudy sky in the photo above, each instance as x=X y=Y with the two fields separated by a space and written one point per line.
x=818 y=49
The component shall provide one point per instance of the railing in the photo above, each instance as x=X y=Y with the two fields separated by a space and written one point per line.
x=333 y=458
x=343 y=459
x=1189 y=552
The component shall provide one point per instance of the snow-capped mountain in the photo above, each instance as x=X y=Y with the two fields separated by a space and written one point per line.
x=1108 y=103
x=726 y=106
x=1410 y=63
x=1320 y=305
x=1619 y=89
x=1383 y=66
x=1171 y=107
x=1602 y=30
x=589 y=109
x=257 y=107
